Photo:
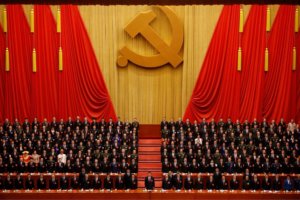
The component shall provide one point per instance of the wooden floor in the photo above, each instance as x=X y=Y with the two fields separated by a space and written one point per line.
x=141 y=194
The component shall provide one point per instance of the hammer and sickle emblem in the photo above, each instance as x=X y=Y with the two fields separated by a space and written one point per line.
x=167 y=53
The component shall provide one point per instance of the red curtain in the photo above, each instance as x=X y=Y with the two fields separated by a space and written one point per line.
x=271 y=94
x=216 y=93
x=77 y=90
x=17 y=80
x=280 y=81
x=298 y=75
x=45 y=79
x=82 y=90
x=252 y=74
x=2 y=64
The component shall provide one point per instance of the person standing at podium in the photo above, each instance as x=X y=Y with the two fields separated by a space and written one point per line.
x=149 y=182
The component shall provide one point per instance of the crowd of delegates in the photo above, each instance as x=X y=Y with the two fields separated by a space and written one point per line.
x=68 y=146
x=218 y=181
x=247 y=148
x=83 y=181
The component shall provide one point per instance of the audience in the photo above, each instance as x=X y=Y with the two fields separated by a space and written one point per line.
x=227 y=147
x=68 y=146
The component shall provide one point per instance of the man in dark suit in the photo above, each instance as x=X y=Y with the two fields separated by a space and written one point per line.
x=217 y=178
x=64 y=182
x=210 y=184
x=234 y=183
x=133 y=182
x=86 y=184
x=41 y=183
x=127 y=180
x=255 y=183
x=9 y=183
x=119 y=184
x=266 y=183
x=198 y=183
x=288 y=185
x=167 y=183
x=96 y=183
x=224 y=183
x=74 y=182
x=178 y=182
x=108 y=182
x=247 y=183
x=276 y=183
x=53 y=185
x=149 y=182
x=29 y=183
x=19 y=183
x=188 y=183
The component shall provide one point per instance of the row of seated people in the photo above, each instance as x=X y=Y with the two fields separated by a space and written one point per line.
x=66 y=182
x=227 y=125
x=62 y=125
x=231 y=150
x=112 y=147
x=218 y=181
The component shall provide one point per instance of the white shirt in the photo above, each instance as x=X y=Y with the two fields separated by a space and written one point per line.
x=62 y=158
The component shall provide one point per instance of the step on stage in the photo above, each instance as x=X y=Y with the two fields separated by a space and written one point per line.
x=142 y=194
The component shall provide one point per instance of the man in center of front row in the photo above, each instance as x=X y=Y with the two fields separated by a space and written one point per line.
x=149 y=182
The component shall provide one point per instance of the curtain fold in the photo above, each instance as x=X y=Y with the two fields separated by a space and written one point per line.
x=273 y=95
x=252 y=74
x=81 y=81
x=216 y=93
x=45 y=79
x=77 y=90
x=17 y=81
x=2 y=64
x=280 y=92
x=298 y=76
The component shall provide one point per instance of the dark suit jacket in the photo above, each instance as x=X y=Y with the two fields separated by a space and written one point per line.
x=167 y=184
x=19 y=184
x=64 y=183
x=108 y=184
x=41 y=184
x=53 y=184
x=119 y=185
x=188 y=185
x=149 y=184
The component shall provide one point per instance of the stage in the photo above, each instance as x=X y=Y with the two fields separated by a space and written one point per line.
x=141 y=194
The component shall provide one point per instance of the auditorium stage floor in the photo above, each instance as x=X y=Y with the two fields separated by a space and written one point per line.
x=141 y=194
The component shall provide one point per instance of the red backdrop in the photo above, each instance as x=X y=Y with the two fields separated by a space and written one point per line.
x=2 y=63
x=221 y=91
x=77 y=90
